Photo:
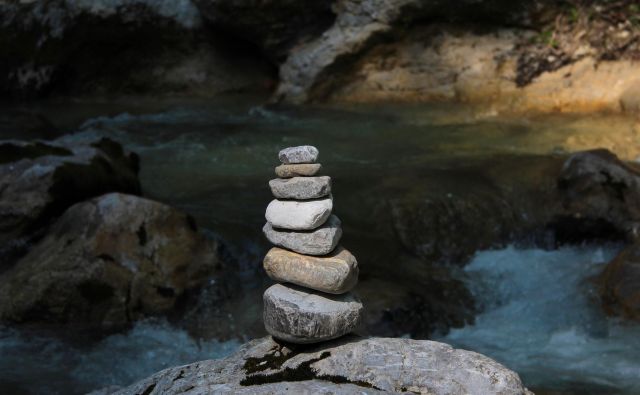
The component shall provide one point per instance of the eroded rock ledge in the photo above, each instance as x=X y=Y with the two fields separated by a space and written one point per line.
x=347 y=366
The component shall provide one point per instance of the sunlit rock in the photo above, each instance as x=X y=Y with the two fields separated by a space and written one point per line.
x=299 y=215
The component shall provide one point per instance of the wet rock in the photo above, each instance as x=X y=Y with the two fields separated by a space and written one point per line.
x=600 y=194
x=335 y=273
x=298 y=170
x=620 y=284
x=301 y=316
x=107 y=262
x=40 y=180
x=345 y=366
x=319 y=241
x=301 y=154
x=304 y=215
x=301 y=188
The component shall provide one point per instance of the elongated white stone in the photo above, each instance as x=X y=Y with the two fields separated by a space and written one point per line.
x=299 y=215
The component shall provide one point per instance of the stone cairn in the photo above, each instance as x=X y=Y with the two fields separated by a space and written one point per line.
x=314 y=304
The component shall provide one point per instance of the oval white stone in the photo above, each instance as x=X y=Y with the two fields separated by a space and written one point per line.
x=295 y=215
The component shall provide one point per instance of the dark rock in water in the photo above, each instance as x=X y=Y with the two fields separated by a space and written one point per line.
x=600 y=195
x=38 y=181
x=346 y=366
x=620 y=284
x=108 y=261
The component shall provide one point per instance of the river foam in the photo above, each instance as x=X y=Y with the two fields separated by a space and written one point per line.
x=542 y=319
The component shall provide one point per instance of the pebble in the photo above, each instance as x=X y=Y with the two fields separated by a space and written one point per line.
x=298 y=170
x=301 y=154
x=299 y=316
x=336 y=273
x=301 y=188
x=320 y=241
x=299 y=215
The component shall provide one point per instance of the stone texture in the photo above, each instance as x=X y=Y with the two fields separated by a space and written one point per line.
x=620 y=287
x=300 y=154
x=597 y=190
x=336 y=273
x=298 y=170
x=306 y=215
x=301 y=188
x=319 y=241
x=40 y=180
x=107 y=262
x=302 y=316
x=370 y=366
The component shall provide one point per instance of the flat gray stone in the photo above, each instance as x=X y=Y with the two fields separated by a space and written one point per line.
x=301 y=154
x=298 y=170
x=301 y=188
x=336 y=273
x=299 y=215
x=319 y=241
x=302 y=316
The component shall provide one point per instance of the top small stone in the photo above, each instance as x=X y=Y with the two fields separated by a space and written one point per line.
x=301 y=154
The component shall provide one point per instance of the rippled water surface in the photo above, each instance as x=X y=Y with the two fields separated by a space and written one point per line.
x=213 y=160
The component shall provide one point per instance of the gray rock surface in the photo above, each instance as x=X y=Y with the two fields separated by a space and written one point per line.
x=108 y=261
x=319 y=241
x=304 y=215
x=302 y=316
x=298 y=170
x=336 y=273
x=39 y=180
x=300 y=154
x=301 y=188
x=363 y=366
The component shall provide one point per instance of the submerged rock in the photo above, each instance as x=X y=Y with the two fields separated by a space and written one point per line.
x=40 y=180
x=108 y=261
x=336 y=273
x=294 y=215
x=346 y=366
x=600 y=196
x=301 y=188
x=319 y=241
x=302 y=316
x=620 y=284
x=298 y=170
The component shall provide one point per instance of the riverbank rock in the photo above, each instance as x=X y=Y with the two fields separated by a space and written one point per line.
x=600 y=195
x=299 y=316
x=335 y=273
x=299 y=215
x=319 y=241
x=620 y=284
x=107 y=262
x=301 y=188
x=346 y=366
x=298 y=170
x=39 y=180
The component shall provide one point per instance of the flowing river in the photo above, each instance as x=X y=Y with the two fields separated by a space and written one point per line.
x=538 y=309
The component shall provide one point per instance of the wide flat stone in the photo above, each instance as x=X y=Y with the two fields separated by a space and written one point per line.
x=301 y=154
x=299 y=316
x=335 y=273
x=301 y=188
x=298 y=170
x=299 y=215
x=319 y=241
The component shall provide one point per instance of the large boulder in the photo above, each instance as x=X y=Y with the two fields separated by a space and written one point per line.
x=39 y=180
x=108 y=261
x=121 y=47
x=620 y=284
x=346 y=366
x=600 y=196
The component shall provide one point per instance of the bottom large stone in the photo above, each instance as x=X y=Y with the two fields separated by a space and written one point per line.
x=292 y=314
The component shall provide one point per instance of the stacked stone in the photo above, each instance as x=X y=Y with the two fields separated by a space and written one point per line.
x=314 y=303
